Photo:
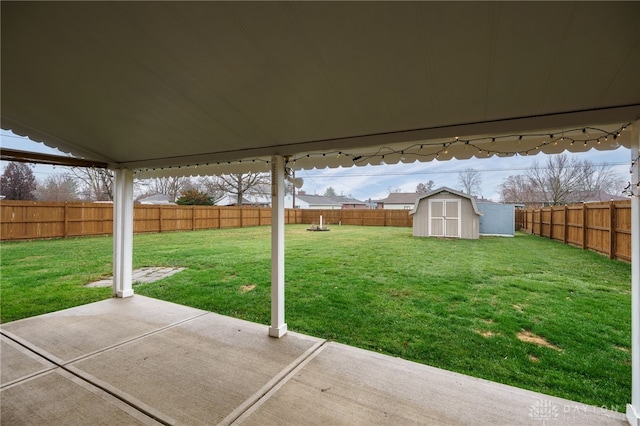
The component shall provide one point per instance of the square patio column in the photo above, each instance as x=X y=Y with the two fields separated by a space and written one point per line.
x=123 y=233
x=278 y=327
x=633 y=409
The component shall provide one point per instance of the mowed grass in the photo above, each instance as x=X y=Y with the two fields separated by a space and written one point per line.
x=453 y=304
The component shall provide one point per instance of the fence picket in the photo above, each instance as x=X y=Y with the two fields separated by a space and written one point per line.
x=600 y=227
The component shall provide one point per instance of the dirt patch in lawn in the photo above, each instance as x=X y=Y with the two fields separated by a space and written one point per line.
x=248 y=287
x=529 y=337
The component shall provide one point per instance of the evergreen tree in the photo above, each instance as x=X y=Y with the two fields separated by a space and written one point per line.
x=330 y=192
x=193 y=197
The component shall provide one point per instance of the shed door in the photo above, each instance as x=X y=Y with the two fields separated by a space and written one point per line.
x=444 y=218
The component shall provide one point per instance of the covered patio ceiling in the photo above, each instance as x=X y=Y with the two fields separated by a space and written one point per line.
x=151 y=85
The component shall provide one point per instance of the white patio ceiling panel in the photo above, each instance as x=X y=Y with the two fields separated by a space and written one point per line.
x=149 y=85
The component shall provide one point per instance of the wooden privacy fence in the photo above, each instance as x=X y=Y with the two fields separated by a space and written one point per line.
x=21 y=220
x=602 y=227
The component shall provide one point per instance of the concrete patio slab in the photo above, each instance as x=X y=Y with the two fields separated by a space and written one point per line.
x=59 y=398
x=343 y=385
x=77 y=332
x=140 y=361
x=210 y=366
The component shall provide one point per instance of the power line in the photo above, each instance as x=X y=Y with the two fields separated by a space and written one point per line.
x=518 y=169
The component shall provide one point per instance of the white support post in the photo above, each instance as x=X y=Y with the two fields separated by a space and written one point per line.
x=633 y=409
x=123 y=233
x=278 y=327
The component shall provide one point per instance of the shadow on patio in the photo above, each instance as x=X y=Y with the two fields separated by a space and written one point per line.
x=144 y=361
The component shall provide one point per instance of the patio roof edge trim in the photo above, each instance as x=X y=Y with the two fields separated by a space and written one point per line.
x=627 y=113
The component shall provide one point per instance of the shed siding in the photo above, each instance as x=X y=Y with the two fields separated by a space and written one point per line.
x=470 y=228
x=497 y=219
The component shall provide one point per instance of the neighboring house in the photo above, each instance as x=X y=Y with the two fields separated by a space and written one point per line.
x=540 y=199
x=307 y=201
x=600 y=196
x=445 y=212
x=158 y=199
x=372 y=204
x=399 y=201
x=349 y=203
x=247 y=201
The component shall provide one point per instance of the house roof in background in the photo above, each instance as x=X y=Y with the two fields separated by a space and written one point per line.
x=401 y=198
x=226 y=85
x=598 y=196
x=155 y=199
x=347 y=200
x=321 y=200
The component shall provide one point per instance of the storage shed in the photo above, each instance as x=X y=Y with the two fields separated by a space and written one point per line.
x=446 y=213
x=497 y=219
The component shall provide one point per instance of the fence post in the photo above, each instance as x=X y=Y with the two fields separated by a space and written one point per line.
x=66 y=220
x=193 y=218
x=160 y=209
x=584 y=226
x=566 y=224
x=551 y=223
x=612 y=230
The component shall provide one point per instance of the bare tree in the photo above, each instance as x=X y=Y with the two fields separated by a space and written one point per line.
x=423 y=188
x=601 y=179
x=560 y=181
x=18 y=182
x=58 y=187
x=210 y=185
x=95 y=184
x=252 y=183
x=470 y=181
x=518 y=190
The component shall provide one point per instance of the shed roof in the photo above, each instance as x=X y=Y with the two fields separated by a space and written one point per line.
x=226 y=85
x=452 y=191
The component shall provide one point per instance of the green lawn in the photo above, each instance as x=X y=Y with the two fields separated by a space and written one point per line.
x=453 y=304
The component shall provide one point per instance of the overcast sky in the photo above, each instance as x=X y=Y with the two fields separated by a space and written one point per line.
x=375 y=182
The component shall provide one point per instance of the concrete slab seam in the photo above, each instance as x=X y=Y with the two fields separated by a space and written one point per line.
x=125 y=406
x=65 y=366
x=82 y=375
x=132 y=339
x=259 y=398
x=26 y=378
x=129 y=400
x=33 y=348
x=30 y=354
